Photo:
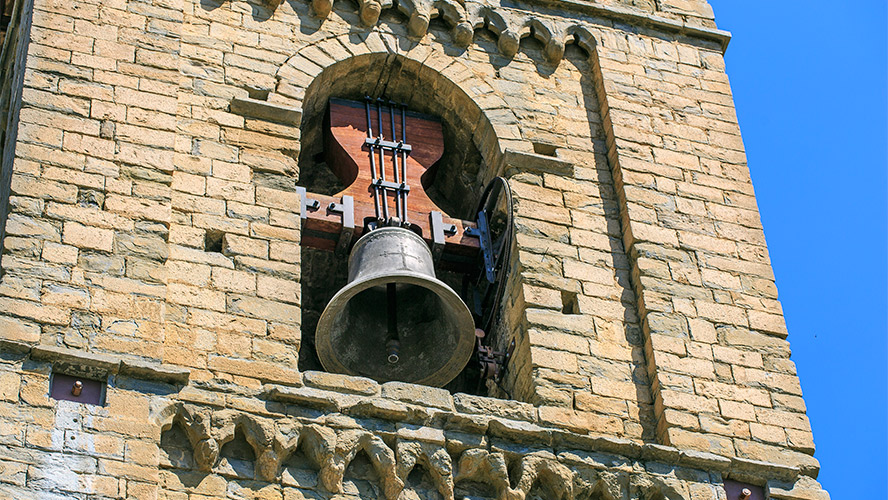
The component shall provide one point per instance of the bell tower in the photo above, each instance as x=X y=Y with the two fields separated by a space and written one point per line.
x=424 y=249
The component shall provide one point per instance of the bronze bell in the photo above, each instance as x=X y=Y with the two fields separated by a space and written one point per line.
x=395 y=320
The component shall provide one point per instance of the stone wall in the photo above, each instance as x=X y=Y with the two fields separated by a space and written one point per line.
x=153 y=218
x=159 y=436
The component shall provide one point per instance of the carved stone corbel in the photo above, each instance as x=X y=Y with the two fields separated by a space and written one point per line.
x=348 y=444
x=198 y=427
x=433 y=457
x=550 y=474
x=484 y=467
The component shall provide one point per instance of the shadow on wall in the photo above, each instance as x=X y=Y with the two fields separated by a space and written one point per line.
x=632 y=334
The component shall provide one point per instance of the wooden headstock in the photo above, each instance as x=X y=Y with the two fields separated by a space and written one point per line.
x=366 y=147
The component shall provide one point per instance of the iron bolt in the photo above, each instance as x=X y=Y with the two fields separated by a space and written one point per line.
x=77 y=389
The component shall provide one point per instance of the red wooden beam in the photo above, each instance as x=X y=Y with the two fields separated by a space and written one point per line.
x=349 y=157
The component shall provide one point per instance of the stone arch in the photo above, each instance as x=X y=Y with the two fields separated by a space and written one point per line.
x=546 y=473
x=552 y=41
x=259 y=435
x=481 y=466
x=595 y=484
x=197 y=425
x=651 y=487
x=580 y=36
x=322 y=70
x=433 y=458
x=509 y=25
x=478 y=127
x=348 y=444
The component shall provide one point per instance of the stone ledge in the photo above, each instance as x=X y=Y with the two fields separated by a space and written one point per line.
x=98 y=365
x=615 y=445
x=75 y=362
x=310 y=397
x=11 y=346
x=154 y=371
x=264 y=110
x=722 y=37
x=418 y=394
x=523 y=161
x=480 y=405
x=344 y=383
x=805 y=488
x=703 y=460
x=741 y=468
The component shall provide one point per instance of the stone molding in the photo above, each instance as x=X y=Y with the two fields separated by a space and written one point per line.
x=98 y=365
x=513 y=456
x=511 y=24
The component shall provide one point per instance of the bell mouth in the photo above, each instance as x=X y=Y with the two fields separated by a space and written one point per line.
x=435 y=330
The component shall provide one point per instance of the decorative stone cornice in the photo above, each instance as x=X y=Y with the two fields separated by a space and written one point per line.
x=331 y=442
x=454 y=438
x=98 y=365
x=542 y=19
x=635 y=17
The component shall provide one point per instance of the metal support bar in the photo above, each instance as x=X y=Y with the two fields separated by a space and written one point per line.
x=436 y=220
x=439 y=232
x=395 y=186
x=385 y=207
x=483 y=233
x=403 y=154
x=395 y=167
x=306 y=203
x=347 y=209
x=372 y=159
x=377 y=142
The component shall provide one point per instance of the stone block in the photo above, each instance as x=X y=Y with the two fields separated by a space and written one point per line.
x=262 y=370
x=418 y=394
x=19 y=330
x=87 y=237
x=265 y=110
x=242 y=245
x=343 y=383
x=154 y=371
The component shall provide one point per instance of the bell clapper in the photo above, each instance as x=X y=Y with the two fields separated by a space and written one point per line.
x=393 y=344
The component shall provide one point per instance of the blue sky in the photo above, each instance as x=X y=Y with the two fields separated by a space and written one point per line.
x=809 y=82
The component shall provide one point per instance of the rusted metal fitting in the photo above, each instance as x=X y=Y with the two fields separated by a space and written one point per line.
x=77 y=388
x=745 y=494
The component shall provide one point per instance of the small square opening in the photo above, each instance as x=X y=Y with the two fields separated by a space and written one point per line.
x=213 y=241
x=569 y=303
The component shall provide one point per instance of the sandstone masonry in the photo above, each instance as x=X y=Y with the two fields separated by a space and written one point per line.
x=151 y=240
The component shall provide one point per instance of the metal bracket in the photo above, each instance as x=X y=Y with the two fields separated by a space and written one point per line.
x=439 y=230
x=483 y=233
x=376 y=142
x=347 y=210
x=437 y=223
x=494 y=363
x=306 y=203
x=400 y=187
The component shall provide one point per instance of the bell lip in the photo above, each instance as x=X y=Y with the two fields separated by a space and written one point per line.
x=462 y=351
